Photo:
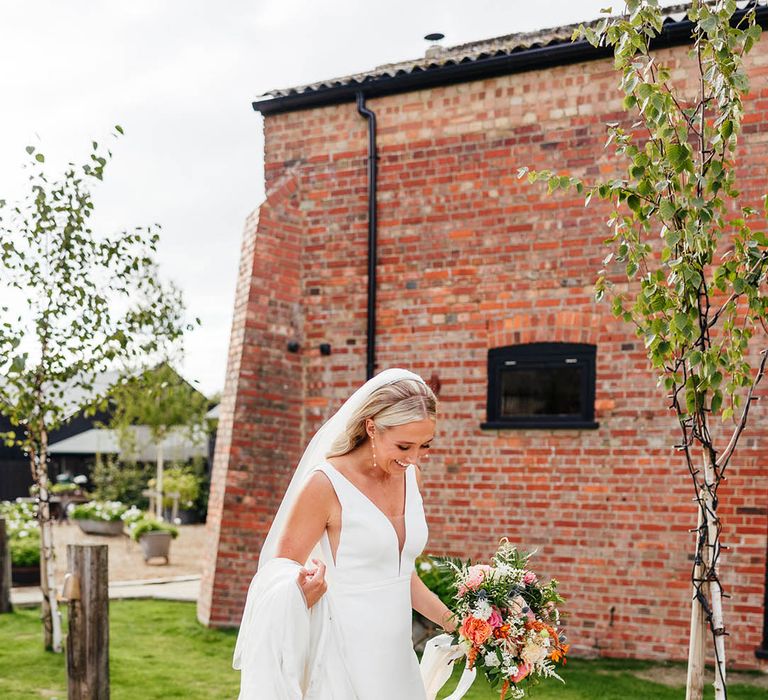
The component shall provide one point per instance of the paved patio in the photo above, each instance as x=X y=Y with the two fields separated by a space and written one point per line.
x=129 y=575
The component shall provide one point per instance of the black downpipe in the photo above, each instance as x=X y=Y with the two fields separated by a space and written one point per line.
x=372 y=234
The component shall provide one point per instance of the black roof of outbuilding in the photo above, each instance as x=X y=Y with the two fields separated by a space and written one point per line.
x=513 y=53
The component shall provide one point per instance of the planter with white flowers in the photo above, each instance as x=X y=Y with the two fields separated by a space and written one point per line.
x=98 y=517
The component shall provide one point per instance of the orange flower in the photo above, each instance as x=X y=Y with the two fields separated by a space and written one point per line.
x=476 y=631
x=471 y=656
x=558 y=650
x=501 y=632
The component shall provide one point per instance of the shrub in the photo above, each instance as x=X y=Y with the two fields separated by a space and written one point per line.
x=114 y=480
x=65 y=487
x=18 y=515
x=25 y=547
x=181 y=480
x=437 y=578
x=145 y=525
x=23 y=532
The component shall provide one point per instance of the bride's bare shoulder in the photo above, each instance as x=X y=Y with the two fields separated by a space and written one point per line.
x=318 y=486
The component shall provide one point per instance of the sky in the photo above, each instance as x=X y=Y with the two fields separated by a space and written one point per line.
x=179 y=76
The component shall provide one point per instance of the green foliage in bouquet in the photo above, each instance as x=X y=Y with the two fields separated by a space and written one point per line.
x=507 y=622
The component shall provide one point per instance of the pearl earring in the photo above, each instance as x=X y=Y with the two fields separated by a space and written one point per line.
x=373 y=452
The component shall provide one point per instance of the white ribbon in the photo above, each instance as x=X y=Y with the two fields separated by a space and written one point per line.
x=437 y=666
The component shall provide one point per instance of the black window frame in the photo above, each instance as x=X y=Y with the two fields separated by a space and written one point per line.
x=538 y=356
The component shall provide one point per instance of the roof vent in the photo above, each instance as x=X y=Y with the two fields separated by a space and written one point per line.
x=435 y=49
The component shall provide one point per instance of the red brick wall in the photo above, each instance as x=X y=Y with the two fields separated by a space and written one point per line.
x=259 y=435
x=471 y=258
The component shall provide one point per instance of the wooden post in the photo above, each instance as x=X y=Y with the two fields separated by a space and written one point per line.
x=697 y=646
x=5 y=571
x=86 y=590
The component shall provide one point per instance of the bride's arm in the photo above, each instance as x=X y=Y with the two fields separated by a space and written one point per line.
x=305 y=525
x=425 y=601
x=428 y=604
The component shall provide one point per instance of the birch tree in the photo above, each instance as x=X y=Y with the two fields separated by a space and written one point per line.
x=687 y=257
x=75 y=304
x=161 y=400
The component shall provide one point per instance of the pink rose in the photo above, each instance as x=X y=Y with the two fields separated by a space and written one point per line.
x=529 y=578
x=475 y=576
x=522 y=671
x=495 y=620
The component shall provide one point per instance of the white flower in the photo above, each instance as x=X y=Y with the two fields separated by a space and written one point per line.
x=533 y=653
x=425 y=566
x=482 y=610
x=491 y=659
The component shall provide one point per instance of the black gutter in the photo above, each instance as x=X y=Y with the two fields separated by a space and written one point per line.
x=370 y=364
x=520 y=60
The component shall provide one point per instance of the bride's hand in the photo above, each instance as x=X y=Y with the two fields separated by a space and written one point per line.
x=312 y=583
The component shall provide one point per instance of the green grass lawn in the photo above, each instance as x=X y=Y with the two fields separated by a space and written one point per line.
x=159 y=650
x=605 y=679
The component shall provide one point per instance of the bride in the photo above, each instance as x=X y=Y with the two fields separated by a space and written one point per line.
x=328 y=614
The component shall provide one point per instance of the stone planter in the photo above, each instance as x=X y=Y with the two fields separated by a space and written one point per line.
x=155 y=544
x=108 y=528
x=25 y=575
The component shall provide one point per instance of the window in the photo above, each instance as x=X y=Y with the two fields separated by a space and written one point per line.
x=541 y=385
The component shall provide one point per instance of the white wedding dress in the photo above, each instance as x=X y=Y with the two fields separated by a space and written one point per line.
x=355 y=642
x=369 y=598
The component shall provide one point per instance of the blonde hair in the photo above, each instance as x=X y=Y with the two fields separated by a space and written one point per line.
x=396 y=403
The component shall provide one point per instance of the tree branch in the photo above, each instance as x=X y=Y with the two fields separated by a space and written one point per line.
x=722 y=461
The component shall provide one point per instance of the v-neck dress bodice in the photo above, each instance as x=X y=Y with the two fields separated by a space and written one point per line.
x=369 y=592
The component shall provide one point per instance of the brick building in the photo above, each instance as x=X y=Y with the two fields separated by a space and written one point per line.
x=474 y=265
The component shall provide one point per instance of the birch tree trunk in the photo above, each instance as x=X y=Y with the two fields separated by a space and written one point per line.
x=50 y=608
x=715 y=589
x=159 y=479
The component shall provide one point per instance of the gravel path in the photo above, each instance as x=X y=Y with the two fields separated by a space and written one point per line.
x=126 y=562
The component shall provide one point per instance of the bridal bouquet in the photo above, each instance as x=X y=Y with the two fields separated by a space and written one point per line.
x=507 y=620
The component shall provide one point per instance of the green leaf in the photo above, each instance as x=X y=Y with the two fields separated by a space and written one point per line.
x=40 y=158
x=680 y=157
x=667 y=209
x=634 y=203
